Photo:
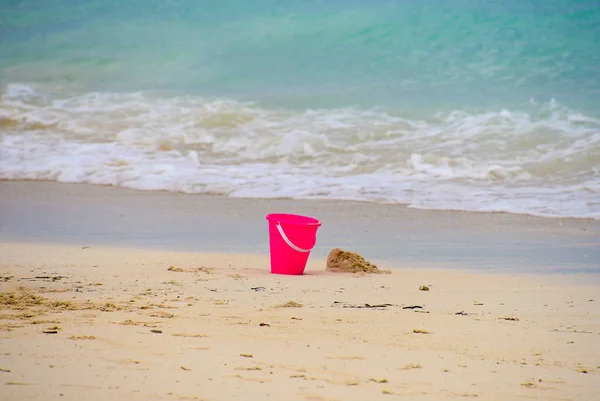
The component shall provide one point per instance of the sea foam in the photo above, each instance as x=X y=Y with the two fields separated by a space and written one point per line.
x=544 y=161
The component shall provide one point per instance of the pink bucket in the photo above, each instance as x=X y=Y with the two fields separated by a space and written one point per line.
x=291 y=239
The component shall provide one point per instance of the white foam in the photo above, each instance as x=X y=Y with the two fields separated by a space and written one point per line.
x=513 y=161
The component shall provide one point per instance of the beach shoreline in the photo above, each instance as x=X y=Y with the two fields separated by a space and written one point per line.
x=496 y=242
x=453 y=145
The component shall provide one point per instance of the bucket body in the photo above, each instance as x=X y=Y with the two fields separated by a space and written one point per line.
x=291 y=237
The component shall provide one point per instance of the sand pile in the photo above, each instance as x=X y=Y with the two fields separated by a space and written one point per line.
x=339 y=260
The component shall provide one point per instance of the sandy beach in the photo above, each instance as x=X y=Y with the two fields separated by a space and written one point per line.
x=116 y=294
x=112 y=323
x=146 y=146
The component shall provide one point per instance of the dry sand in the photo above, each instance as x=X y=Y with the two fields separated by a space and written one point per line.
x=133 y=324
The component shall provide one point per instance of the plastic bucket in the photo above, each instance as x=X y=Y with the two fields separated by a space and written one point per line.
x=291 y=238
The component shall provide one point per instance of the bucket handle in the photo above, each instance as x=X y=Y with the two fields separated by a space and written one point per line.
x=287 y=240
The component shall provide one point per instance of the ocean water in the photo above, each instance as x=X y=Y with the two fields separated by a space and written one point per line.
x=455 y=104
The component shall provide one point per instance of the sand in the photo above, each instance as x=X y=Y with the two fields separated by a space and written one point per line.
x=89 y=214
x=343 y=261
x=97 y=322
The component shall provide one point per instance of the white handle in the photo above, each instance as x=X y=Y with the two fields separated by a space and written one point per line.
x=287 y=240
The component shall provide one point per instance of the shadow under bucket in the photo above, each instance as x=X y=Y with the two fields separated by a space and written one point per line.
x=291 y=238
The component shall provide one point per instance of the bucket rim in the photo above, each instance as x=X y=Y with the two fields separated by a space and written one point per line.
x=276 y=217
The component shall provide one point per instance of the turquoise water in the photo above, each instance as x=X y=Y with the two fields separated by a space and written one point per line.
x=432 y=54
x=439 y=104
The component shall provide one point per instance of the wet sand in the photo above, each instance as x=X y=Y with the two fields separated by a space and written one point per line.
x=486 y=242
